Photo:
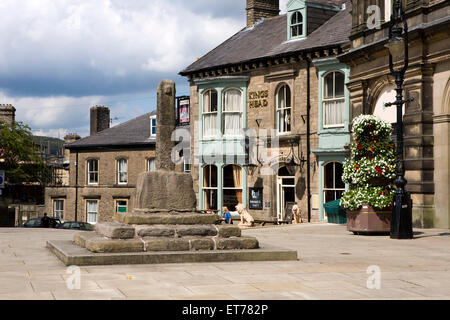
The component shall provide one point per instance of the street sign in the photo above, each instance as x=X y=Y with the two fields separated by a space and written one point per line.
x=2 y=179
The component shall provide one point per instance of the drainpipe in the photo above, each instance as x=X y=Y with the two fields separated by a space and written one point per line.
x=76 y=188
x=308 y=136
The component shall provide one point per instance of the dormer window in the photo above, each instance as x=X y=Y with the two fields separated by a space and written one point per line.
x=296 y=24
x=296 y=19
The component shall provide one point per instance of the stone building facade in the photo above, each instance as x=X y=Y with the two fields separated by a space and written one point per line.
x=427 y=80
x=257 y=102
x=103 y=168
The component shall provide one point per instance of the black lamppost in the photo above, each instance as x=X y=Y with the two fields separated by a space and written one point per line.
x=401 y=222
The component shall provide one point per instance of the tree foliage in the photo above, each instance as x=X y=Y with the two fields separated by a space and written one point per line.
x=18 y=155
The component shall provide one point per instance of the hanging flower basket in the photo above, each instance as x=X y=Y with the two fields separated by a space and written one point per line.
x=369 y=173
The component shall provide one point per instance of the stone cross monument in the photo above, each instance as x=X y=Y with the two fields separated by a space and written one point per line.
x=165 y=190
x=165 y=125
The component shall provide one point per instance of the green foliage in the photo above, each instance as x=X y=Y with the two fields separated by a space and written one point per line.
x=18 y=155
x=372 y=156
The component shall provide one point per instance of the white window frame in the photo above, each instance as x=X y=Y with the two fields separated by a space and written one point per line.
x=334 y=99
x=204 y=189
x=279 y=110
x=91 y=214
x=232 y=188
x=296 y=25
x=94 y=172
x=153 y=126
x=234 y=112
x=149 y=160
x=208 y=113
x=58 y=212
x=121 y=170
x=117 y=204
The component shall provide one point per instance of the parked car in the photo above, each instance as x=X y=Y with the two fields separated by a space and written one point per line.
x=85 y=226
x=36 y=223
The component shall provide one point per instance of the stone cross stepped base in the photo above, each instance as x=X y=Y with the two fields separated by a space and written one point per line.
x=156 y=231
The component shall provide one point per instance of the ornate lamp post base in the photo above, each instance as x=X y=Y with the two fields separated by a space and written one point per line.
x=401 y=222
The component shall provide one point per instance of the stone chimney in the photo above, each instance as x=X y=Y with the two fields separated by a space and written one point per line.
x=7 y=113
x=68 y=138
x=258 y=9
x=100 y=119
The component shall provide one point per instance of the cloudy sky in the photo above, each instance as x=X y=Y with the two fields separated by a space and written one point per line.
x=60 y=57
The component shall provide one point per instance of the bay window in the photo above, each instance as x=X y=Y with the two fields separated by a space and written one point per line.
x=333 y=99
x=209 y=113
x=232 y=112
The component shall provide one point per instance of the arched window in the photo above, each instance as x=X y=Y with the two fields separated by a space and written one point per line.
x=333 y=186
x=283 y=109
x=210 y=113
x=333 y=99
x=296 y=24
x=210 y=187
x=232 y=112
x=232 y=186
x=122 y=171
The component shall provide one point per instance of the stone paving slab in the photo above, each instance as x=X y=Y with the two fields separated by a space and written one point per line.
x=333 y=265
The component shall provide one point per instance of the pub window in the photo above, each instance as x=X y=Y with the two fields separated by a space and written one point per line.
x=333 y=184
x=210 y=113
x=92 y=211
x=58 y=209
x=232 y=112
x=187 y=160
x=210 y=187
x=122 y=173
x=283 y=109
x=92 y=172
x=333 y=99
x=232 y=186
x=296 y=24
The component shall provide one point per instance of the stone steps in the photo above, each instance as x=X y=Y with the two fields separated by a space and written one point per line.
x=94 y=242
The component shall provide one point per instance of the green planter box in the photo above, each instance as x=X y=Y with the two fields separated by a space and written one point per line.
x=335 y=213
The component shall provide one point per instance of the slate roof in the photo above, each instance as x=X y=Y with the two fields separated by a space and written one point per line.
x=135 y=132
x=268 y=39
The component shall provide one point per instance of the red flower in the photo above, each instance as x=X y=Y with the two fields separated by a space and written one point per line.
x=359 y=147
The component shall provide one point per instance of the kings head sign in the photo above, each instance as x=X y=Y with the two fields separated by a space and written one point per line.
x=258 y=99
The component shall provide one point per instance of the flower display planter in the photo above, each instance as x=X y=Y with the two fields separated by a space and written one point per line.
x=369 y=174
x=369 y=220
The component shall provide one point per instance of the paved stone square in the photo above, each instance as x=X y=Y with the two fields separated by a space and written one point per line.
x=333 y=265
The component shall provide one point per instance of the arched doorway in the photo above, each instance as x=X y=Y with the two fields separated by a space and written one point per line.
x=285 y=194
